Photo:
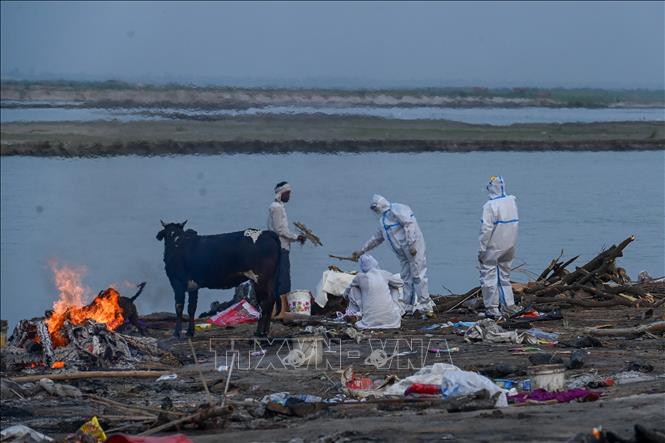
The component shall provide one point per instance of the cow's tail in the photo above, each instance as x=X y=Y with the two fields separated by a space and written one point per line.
x=140 y=286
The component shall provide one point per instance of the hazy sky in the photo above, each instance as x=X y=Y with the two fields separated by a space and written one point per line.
x=355 y=44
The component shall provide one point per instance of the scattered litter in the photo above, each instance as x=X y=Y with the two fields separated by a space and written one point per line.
x=23 y=434
x=90 y=431
x=122 y=438
x=583 y=342
x=222 y=368
x=550 y=377
x=241 y=312
x=639 y=367
x=540 y=334
x=59 y=389
x=626 y=377
x=577 y=358
x=545 y=359
x=488 y=331
x=454 y=382
x=283 y=398
x=167 y=377
x=541 y=395
x=423 y=389
x=444 y=351
x=523 y=385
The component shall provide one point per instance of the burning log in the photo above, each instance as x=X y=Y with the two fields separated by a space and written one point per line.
x=105 y=309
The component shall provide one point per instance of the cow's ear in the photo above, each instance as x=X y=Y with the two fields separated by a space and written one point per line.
x=163 y=224
x=182 y=225
x=160 y=235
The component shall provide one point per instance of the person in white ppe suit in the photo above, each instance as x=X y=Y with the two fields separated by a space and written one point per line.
x=398 y=225
x=374 y=295
x=498 y=236
x=278 y=222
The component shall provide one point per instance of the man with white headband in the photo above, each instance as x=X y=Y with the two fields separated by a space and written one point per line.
x=278 y=222
x=498 y=236
x=398 y=225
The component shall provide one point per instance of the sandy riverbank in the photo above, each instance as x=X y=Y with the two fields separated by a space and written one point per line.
x=315 y=133
x=120 y=94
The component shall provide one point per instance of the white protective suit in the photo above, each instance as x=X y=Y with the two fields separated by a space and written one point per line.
x=374 y=295
x=398 y=225
x=498 y=236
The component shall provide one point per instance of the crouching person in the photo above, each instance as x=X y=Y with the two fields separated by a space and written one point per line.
x=374 y=296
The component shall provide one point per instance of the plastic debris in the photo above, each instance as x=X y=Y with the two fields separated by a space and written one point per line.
x=22 y=434
x=524 y=385
x=454 y=382
x=423 y=389
x=241 y=312
x=93 y=429
x=167 y=377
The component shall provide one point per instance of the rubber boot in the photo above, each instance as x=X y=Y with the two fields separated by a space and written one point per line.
x=178 y=320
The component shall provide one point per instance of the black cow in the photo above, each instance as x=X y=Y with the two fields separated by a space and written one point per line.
x=220 y=261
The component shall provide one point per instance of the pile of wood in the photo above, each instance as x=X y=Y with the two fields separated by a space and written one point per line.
x=598 y=283
x=89 y=345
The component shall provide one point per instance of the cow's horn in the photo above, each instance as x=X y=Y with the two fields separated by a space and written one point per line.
x=163 y=224
x=184 y=223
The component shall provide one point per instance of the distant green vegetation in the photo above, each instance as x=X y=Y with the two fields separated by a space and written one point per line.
x=574 y=97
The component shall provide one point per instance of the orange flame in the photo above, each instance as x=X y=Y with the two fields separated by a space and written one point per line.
x=58 y=364
x=71 y=304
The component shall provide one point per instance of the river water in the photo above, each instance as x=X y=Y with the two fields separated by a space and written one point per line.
x=492 y=116
x=104 y=213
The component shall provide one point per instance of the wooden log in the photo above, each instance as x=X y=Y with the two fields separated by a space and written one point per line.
x=454 y=302
x=197 y=418
x=610 y=254
x=142 y=408
x=550 y=267
x=90 y=374
x=576 y=302
x=559 y=271
x=652 y=328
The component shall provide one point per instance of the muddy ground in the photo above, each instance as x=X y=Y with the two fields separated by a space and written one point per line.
x=619 y=409
x=315 y=133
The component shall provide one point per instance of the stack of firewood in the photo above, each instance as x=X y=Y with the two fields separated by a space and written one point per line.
x=598 y=283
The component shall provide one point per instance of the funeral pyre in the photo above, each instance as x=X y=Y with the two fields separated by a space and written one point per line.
x=76 y=335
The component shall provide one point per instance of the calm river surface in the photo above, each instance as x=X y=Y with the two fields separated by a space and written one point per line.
x=491 y=116
x=104 y=213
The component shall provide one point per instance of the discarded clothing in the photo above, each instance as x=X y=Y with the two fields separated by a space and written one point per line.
x=488 y=331
x=580 y=394
x=373 y=295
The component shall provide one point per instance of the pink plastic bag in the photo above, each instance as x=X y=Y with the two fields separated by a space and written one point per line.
x=241 y=312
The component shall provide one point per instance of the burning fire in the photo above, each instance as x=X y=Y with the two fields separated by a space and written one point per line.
x=71 y=304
